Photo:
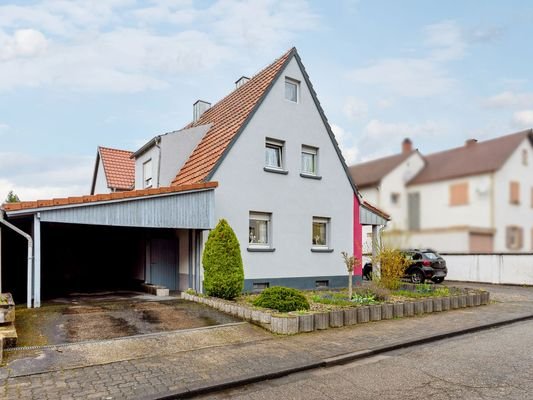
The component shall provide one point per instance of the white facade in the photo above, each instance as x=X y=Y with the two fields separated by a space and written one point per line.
x=478 y=224
x=392 y=185
x=507 y=214
x=292 y=200
x=166 y=155
x=100 y=180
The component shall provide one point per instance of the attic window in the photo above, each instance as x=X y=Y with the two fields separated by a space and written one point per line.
x=524 y=157
x=291 y=90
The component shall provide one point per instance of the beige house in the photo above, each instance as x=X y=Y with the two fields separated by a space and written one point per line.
x=474 y=198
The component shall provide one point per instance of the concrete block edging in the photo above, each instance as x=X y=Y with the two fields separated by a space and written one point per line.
x=296 y=322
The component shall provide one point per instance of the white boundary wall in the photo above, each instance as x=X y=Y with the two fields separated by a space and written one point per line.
x=512 y=268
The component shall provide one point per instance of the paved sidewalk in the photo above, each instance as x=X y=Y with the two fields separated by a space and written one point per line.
x=181 y=363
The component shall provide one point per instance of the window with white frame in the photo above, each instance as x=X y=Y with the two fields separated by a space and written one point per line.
x=309 y=160
x=320 y=232
x=147 y=174
x=274 y=154
x=259 y=229
x=291 y=90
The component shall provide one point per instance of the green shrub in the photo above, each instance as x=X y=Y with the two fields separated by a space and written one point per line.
x=223 y=270
x=282 y=299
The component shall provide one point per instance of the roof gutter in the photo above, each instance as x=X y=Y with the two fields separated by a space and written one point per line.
x=30 y=256
x=146 y=147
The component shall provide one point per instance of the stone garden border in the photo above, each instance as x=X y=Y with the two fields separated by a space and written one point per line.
x=295 y=322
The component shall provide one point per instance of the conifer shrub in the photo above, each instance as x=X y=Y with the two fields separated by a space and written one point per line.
x=282 y=299
x=222 y=261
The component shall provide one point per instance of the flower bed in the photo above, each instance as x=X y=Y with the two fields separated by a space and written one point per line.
x=333 y=309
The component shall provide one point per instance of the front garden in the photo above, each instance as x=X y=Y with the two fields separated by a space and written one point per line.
x=290 y=311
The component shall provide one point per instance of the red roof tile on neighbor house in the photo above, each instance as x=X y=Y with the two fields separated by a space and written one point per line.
x=371 y=173
x=470 y=159
x=227 y=117
x=119 y=168
x=27 y=205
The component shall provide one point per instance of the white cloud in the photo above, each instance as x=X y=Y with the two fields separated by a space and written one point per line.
x=119 y=46
x=354 y=108
x=23 y=43
x=35 y=177
x=3 y=127
x=446 y=40
x=510 y=99
x=424 y=74
x=345 y=139
x=395 y=131
x=523 y=118
x=409 y=77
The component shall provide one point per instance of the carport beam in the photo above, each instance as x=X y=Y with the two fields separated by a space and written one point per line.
x=37 y=260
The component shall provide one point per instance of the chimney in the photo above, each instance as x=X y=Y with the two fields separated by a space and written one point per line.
x=470 y=142
x=407 y=146
x=199 y=108
x=241 y=81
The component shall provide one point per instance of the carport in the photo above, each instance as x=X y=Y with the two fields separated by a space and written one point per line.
x=105 y=242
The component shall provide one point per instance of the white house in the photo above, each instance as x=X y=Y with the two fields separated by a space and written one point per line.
x=474 y=198
x=264 y=158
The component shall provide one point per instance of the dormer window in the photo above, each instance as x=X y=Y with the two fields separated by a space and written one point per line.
x=291 y=90
x=147 y=174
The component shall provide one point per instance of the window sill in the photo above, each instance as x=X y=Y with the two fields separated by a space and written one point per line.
x=261 y=249
x=321 y=250
x=275 y=170
x=309 y=176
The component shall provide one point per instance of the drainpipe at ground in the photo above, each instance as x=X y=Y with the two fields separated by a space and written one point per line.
x=30 y=256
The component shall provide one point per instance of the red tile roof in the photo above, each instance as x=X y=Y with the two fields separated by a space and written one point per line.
x=28 y=205
x=372 y=172
x=228 y=117
x=119 y=168
x=472 y=159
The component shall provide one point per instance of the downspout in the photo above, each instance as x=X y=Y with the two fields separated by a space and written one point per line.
x=30 y=255
x=157 y=144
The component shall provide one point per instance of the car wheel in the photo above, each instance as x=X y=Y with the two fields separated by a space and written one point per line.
x=417 y=277
x=438 y=280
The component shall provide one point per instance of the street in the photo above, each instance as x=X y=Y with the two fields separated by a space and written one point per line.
x=495 y=364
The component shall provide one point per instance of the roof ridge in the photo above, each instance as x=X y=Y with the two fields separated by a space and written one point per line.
x=114 y=149
x=483 y=142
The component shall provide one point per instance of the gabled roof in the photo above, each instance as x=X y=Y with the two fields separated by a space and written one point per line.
x=228 y=118
x=471 y=159
x=372 y=172
x=119 y=168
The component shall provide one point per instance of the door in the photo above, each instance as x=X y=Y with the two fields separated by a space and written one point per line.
x=164 y=262
x=413 y=211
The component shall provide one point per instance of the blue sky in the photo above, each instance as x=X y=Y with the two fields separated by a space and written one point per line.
x=78 y=74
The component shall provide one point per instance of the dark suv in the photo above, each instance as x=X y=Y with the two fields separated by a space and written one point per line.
x=426 y=264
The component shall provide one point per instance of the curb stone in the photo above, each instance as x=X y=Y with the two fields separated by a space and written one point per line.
x=330 y=362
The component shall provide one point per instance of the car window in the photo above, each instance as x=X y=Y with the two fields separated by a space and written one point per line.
x=417 y=256
x=431 y=256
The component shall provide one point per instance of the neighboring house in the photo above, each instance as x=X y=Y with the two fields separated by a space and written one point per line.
x=114 y=171
x=474 y=198
x=382 y=182
x=264 y=158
